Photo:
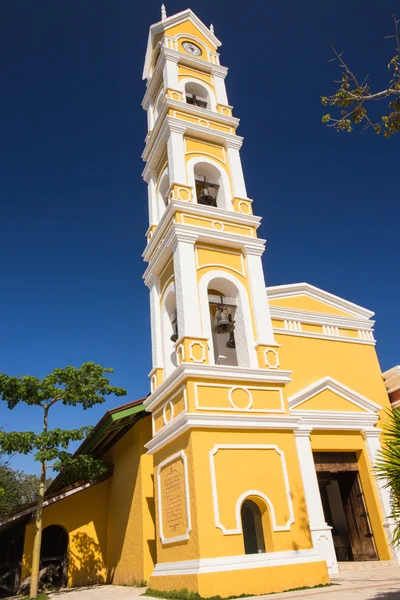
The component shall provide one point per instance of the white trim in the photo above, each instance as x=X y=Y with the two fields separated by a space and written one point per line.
x=306 y=289
x=235 y=563
x=164 y=463
x=207 y=372
x=209 y=90
x=161 y=408
x=186 y=421
x=275 y=353
x=285 y=313
x=328 y=383
x=321 y=336
x=248 y=493
x=191 y=356
x=209 y=159
x=246 y=388
x=340 y=420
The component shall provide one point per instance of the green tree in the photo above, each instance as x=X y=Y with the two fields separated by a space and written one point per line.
x=10 y=495
x=351 y=98
x=85 y=386
x=388 y=466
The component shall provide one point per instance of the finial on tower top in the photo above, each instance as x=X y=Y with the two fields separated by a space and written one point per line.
x=212 y=28
x=163 y=12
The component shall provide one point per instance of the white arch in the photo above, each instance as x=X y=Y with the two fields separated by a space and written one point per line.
x=161 y=202
x=226 y=192
x=246 y=352
x=168 y=346
x=210 y=91
x=257 y=494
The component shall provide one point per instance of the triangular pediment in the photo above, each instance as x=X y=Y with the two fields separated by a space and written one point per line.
x=306 y=297
x=329 y=395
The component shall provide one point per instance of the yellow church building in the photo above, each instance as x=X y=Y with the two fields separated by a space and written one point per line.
x=248 y=469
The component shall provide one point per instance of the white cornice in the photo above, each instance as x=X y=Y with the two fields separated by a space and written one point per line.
x=204 y=113
x=190 y=208
x=392 y=379
x=328 y=383
x=152 y=147
x=162 y=26
x=317 y=318
x=306 y=289
x=211 y=372
x=336 y=420
x=186 y=421
x=323 y=336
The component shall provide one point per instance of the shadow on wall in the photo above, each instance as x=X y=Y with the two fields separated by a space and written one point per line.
x=301 y=517
x=85 y=563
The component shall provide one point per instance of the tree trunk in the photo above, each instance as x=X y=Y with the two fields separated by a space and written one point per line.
x=37 y=543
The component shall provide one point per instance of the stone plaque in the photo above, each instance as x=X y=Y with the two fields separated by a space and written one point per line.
x=173 y=499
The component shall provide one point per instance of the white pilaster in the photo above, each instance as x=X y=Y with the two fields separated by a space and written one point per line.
x=186 y=287
x=320 y=532
x=262 y=316
x=152 y=198
x=170 y=73
x=155 y=321
x=373 y=445
x=220 y=89
x=235 y=164
x=176 y=154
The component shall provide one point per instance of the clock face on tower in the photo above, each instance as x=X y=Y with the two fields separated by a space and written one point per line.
x=191 y=48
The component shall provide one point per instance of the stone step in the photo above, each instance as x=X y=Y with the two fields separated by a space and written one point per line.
x=366 y=565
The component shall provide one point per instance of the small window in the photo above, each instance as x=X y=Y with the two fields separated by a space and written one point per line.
x=253 y=533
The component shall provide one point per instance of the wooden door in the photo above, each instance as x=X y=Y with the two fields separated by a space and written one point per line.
x=360 y=532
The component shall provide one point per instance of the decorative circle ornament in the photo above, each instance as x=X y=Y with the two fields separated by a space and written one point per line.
x=191 y=48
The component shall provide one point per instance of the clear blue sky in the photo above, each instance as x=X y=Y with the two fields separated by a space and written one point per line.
x=74 y=207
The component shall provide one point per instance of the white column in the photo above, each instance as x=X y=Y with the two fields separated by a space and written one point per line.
x=259 y=300
x=320 y=532
x=170 y=72
x=373 y=445
x=235 y=164
x=176 y=155
x=155 y=321
x=186 y=287
x=152 y=198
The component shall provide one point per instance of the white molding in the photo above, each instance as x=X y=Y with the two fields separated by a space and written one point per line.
x=235 y=563
x=328 y=383
x=275 y=353
x=317 y=318
x=181 y=454
x=161 y=408
x=191 y=356
x=341 y=420
x=306 y=289
x=207 y=372
x=248 y=493
x=321 y=336
x=186 y=421
x=246 y=388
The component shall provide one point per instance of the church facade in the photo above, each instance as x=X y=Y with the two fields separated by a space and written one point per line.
x=249 y=467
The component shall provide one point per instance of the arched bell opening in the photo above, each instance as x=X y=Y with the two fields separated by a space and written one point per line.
x=54 y=555
x=197 y=95
x=209 y=185
x=170 y=330
x=162 y=193
x=222 y=317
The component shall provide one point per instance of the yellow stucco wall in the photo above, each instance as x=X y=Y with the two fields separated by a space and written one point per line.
x=130 y=522
x=84 y=516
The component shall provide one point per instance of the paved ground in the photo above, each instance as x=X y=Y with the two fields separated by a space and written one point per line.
x=376 y=584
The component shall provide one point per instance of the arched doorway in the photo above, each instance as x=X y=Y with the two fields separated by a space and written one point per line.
x=54 y=551
x=253 y=533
